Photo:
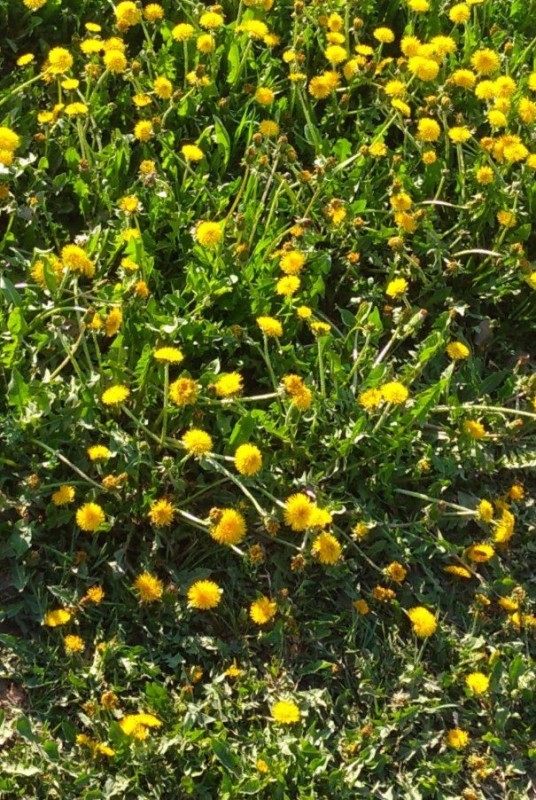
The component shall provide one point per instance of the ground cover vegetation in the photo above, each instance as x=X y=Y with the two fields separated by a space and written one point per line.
x=268 y=408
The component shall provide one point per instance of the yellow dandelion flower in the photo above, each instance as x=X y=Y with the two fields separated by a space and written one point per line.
x=320 y=87
x=64 y=495
x=204 y=595
x=192 y=152
x=458 y=571
x=34 y=5
x=463 y=78
x=262 y=610
x=475 y=429
x=115 y=395
x=269 y=128
x=255 y=28
x=25 y=58
x=153 y=12
x=292 y=262
x=428 y=130
x=264 y=96
x=321 y=518
x=506 y=218
x=397 y=287
x=457 y=738
x=394 y=392
x=288 y=285
x=302 y=399
x=458 y=351
x=149 y=588
x=211 y=20
x=286 y=712
x=143 y=130
x=419 y=6
x=229 y=384
x=163 y=88
x=98 y=452
x=95 y=594
x=183 y=391
x=182 y=32
x=138 y=725
x=484 y=511
x=197 y=442
x=90 y=517
x=127 y=14
x=76 y=109
x=230 y=528
x=516 y=492
x=477 y=682
x=248 y=459
x=76 y=260
x=423 y=68
x=480 y=553
x=335 y=54
x=459 y=134
x=270 y=327
x=326 y=548
x=401 y=201
x=384 y=35
x=395 y=88
x=168 y=355
x=508 y=604
x=73 y=644
x=396 y=572
x=485 y=61
x=298 y=513
x=162 y=513
x=58 y=617
x=361 y=606
x=504 y=529
x=485 y=176
x=209 y=234
x=59 y=61
x=370 y=398
x=423 y=622
x=410 y=46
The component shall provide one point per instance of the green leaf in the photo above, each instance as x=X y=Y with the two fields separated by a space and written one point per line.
x=224 y=755
x=242 y=431
x=11 y=293
x=18 y=392
x=223 y=140
x=233 y=59
x=16 y=323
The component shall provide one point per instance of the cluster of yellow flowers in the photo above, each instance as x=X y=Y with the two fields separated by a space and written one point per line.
x=440 y=100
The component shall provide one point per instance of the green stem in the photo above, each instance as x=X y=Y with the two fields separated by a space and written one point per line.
x=268 y=361
x=321 y=370
x=20 y=88
x=220 y=468
x=493 y=409
x=165 y=407
x=434 y=500
x=140 y=425
x=66 y=461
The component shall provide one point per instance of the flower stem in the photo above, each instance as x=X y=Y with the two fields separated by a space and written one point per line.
x=321 y=369
x=491 y=409
x=165 y=407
